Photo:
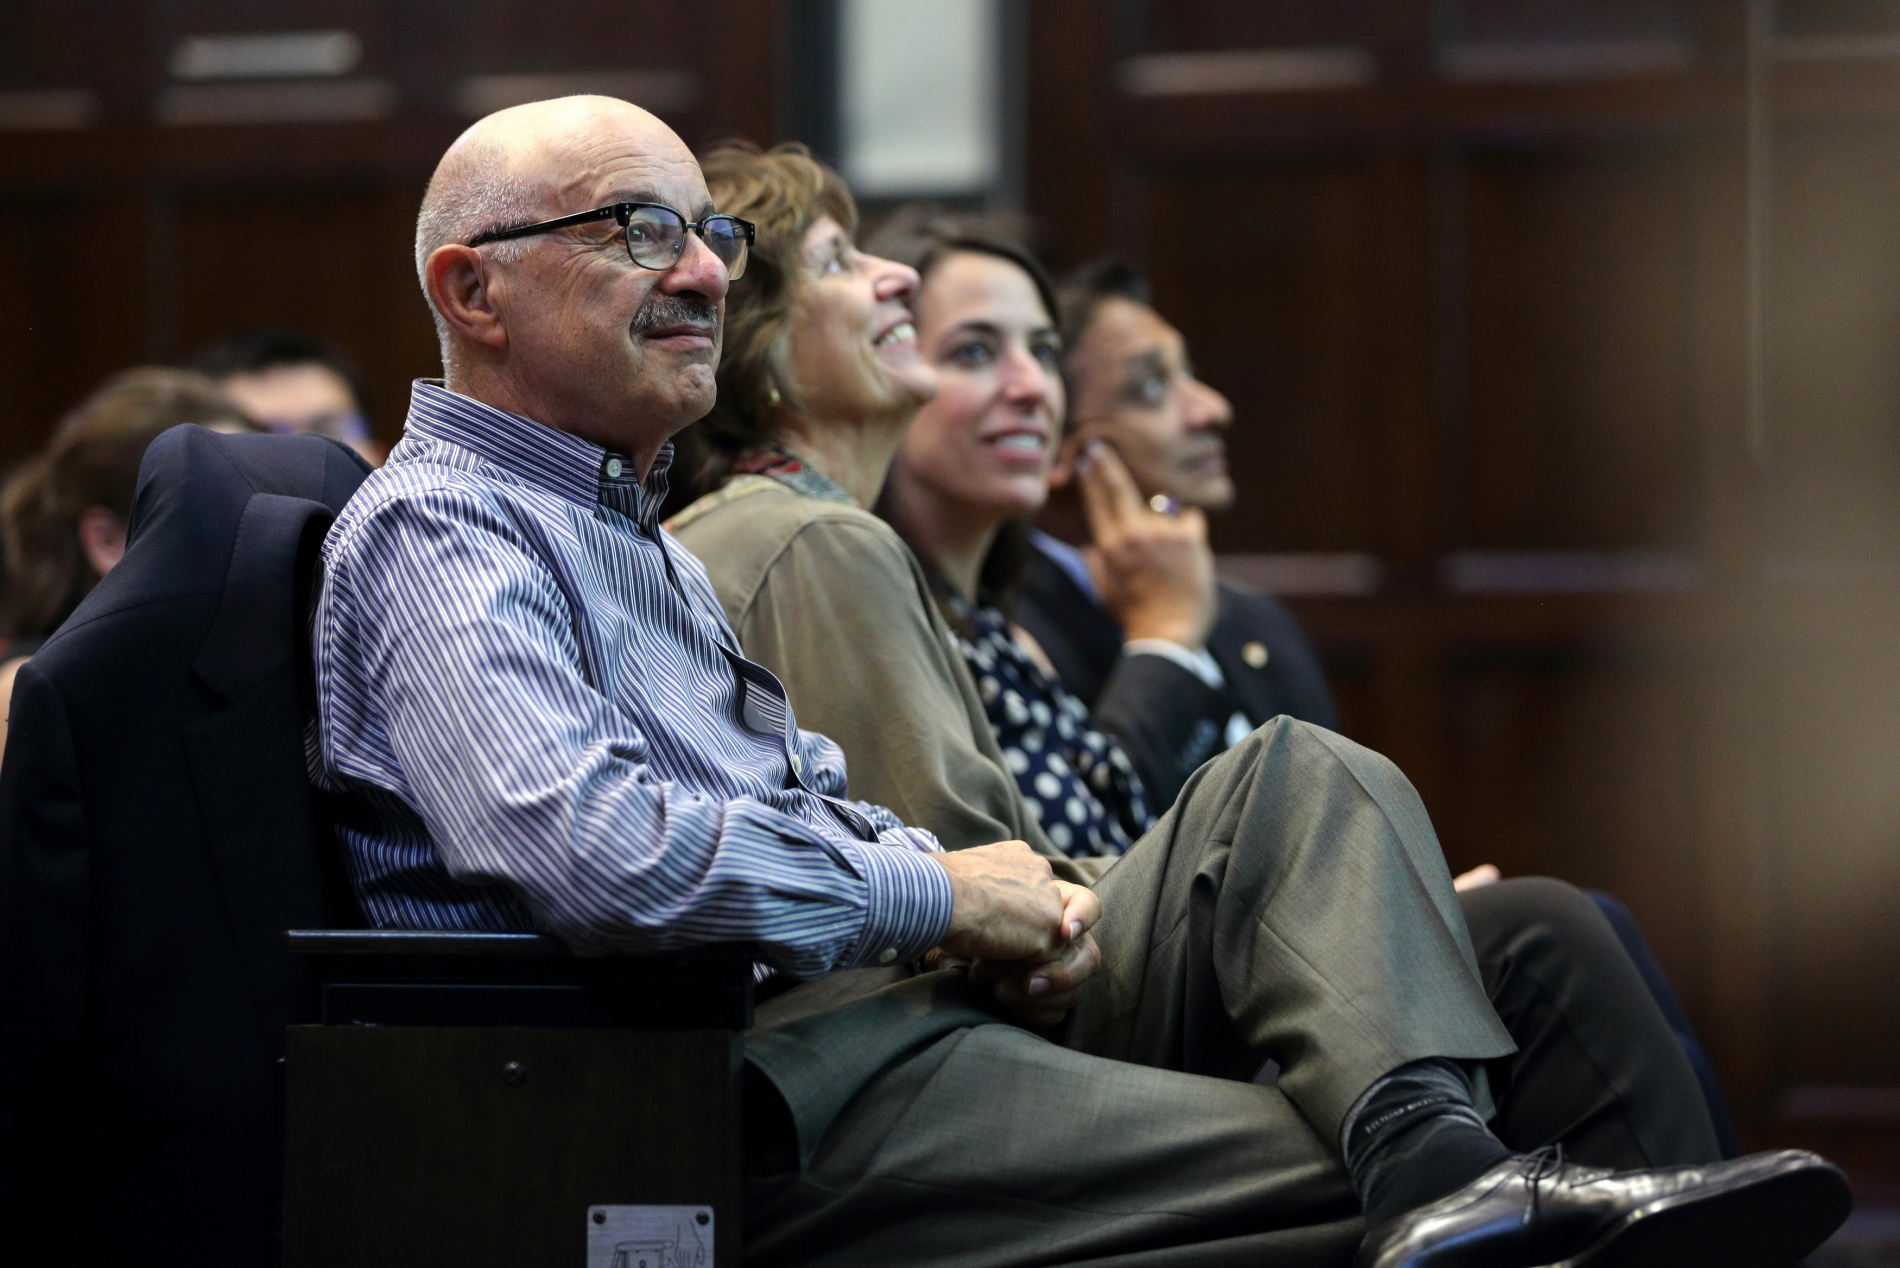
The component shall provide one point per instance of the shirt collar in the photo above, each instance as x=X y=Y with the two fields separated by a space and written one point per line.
x=553 y=461
x=1067 y=558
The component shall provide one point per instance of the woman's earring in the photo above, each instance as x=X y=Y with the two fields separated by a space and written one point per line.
x=771 y=395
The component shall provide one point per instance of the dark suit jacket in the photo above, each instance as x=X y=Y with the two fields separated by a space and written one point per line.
x=1167 y=718
x=157 y=836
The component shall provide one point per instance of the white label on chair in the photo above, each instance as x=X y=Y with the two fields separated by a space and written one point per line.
x=649 y=1237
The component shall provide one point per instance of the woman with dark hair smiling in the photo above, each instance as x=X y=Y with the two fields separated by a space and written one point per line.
x=974 y=463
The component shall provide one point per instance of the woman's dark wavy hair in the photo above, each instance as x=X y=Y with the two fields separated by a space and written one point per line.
x=92 y=460
x=784 y=191
x=924 y=237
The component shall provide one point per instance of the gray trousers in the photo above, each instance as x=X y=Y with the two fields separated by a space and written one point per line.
x=1293 y=906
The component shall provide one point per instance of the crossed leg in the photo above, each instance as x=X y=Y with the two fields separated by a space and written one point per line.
x=1292 y=906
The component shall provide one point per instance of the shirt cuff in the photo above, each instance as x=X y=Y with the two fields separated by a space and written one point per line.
x=906 y=838
x=907 y=904
x=1200 y=664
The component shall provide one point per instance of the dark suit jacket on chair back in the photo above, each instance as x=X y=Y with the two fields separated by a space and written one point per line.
x=157 y=836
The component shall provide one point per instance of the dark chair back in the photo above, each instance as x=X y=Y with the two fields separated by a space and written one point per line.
x=157 y=836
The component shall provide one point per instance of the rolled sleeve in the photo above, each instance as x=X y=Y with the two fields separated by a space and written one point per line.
x=903 y=838
x=907 y=907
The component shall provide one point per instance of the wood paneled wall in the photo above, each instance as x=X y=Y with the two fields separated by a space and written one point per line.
x=1477 y=277
x=144 y=213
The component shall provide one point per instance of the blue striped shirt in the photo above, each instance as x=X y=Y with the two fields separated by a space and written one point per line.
x=534 y=714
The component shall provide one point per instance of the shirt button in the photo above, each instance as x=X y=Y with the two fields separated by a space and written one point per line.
x=887 y=956
x=613 y=468
x=798 y=767
x=1255 y=654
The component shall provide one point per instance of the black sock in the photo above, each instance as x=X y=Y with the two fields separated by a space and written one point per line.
x=1413 y=1137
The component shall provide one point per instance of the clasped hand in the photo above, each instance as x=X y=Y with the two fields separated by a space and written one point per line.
x=1021 y=930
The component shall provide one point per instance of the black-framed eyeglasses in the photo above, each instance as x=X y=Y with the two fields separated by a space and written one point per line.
x=656 y=234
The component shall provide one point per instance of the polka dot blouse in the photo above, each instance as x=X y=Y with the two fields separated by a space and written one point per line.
x=1077 y=780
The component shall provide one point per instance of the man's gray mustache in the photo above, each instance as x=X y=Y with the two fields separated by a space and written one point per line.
x=667 y=310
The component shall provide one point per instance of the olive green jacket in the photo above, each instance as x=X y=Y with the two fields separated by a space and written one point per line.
x=829 y=598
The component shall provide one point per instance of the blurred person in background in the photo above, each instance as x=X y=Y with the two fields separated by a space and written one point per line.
x=290 y=382
x=63 y=513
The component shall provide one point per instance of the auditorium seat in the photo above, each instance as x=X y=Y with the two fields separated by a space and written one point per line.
x=177 y=946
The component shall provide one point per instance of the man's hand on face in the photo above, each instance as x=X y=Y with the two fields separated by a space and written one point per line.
x=1021 y=929
x=1155 y=571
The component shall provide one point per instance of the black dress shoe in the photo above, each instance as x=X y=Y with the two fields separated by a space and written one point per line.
x=1537 y=1211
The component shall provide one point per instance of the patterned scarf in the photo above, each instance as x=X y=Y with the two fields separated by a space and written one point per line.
x=789 y=469
x=1077 y=780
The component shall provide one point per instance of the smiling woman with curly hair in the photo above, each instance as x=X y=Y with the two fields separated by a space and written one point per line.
x=818 y=380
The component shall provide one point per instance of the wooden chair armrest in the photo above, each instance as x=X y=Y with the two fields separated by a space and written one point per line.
x=439 y=977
